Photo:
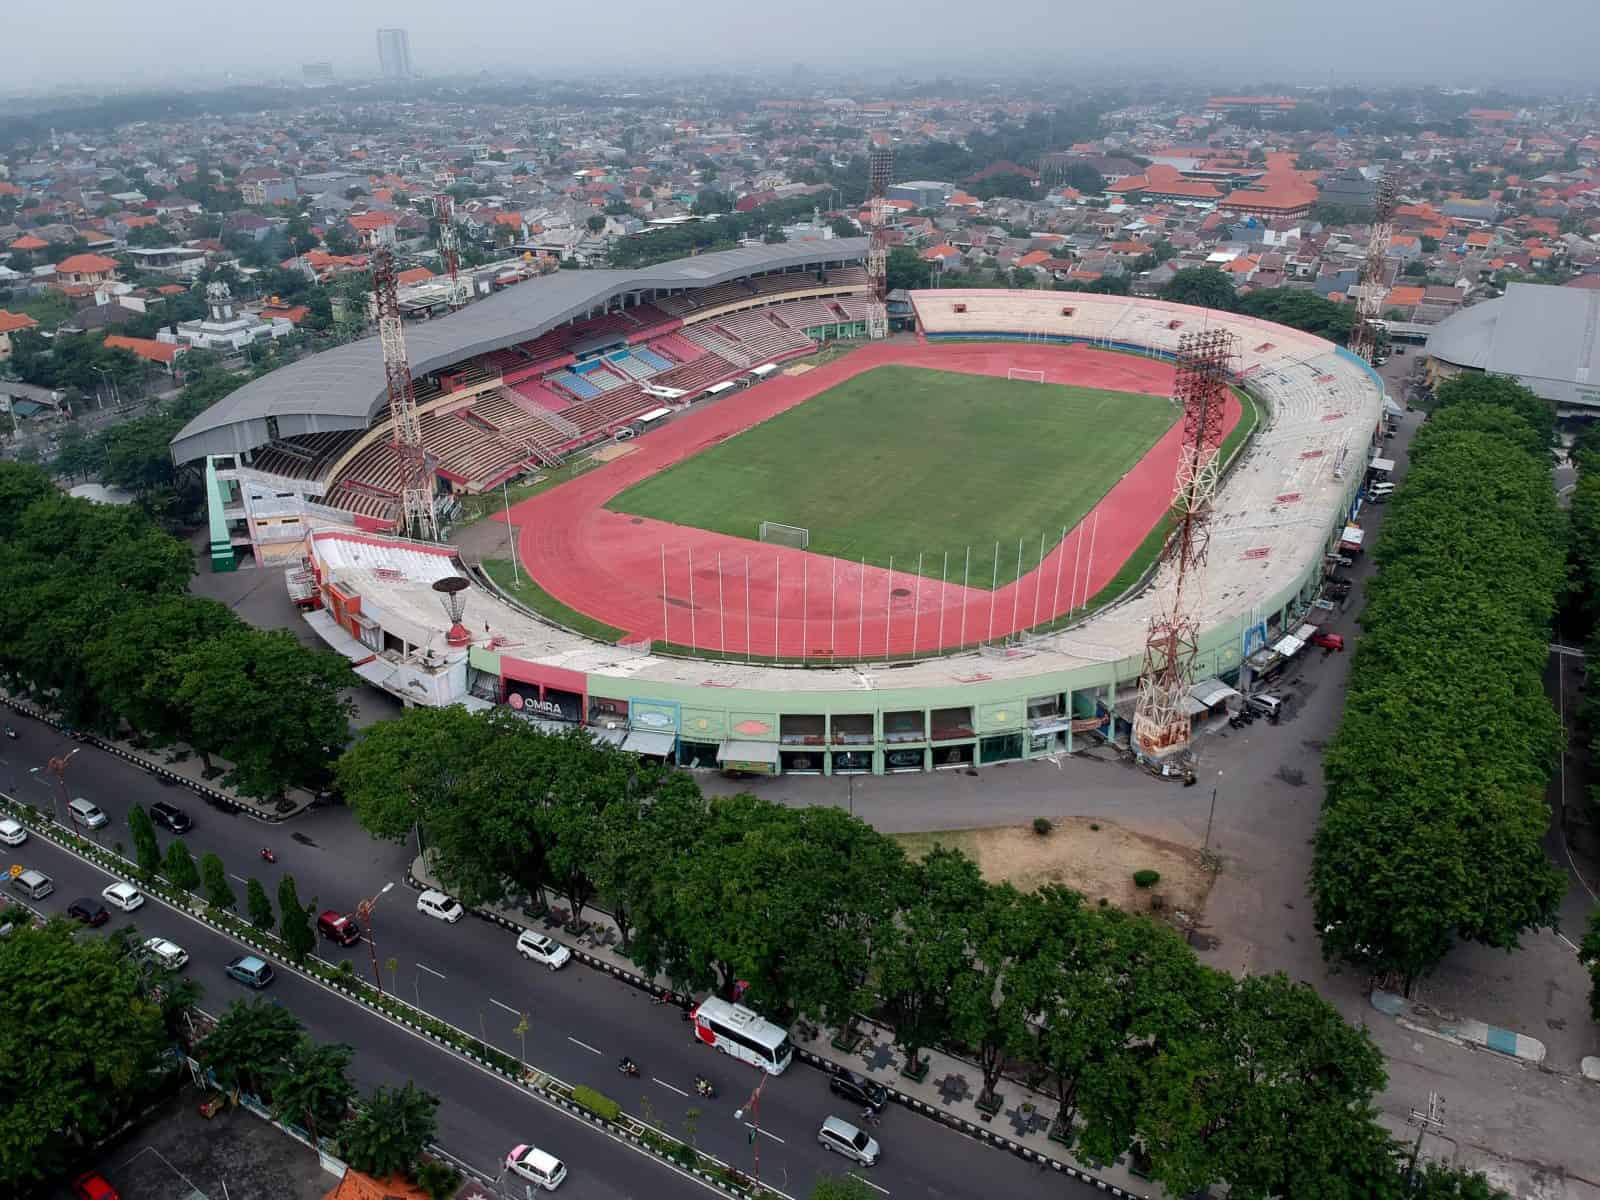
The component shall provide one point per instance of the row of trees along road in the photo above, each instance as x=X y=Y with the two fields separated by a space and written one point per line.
x=95 y=623
x=1203 y=1078
x=1435 y=802
x=1583 y=615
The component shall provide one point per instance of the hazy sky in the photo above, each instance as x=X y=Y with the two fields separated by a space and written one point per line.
x=1458 y=42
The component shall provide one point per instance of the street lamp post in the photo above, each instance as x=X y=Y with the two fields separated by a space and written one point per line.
x=364 y=913
x=754 y=1105
x=57 y=767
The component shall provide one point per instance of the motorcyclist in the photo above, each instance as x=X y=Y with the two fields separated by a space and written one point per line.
x=627 y=1066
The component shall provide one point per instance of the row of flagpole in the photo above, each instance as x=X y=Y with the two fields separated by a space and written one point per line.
x=863 y=653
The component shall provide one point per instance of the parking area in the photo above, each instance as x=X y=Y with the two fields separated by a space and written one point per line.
x=179 y=1155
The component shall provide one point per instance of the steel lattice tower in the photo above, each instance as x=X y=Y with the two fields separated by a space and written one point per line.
x=444 y=213
x=416 y=497
x=1371 y=290
x=880 y=170
x=1161 y=717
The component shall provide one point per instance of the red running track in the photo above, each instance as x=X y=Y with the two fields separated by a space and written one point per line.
x=657 y=580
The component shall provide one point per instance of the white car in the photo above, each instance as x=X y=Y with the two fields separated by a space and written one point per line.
x=435 y=903
x=86 y=813
x=166 y=954
x=12 y=833
x=537 y=1167
x=540 y=949
x=124 y=896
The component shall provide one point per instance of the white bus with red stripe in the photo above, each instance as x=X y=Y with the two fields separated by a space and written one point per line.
x=737 y=1030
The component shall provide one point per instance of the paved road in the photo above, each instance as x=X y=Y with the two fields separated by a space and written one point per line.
x=482 y=1116
x=581 y=1020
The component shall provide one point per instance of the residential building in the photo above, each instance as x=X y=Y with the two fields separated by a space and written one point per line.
x=10 y=323
x=224 y=329
x=86 y=270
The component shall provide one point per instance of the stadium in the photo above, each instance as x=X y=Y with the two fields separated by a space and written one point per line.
x=936 y=550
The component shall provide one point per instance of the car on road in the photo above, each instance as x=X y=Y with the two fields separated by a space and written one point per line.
x=540 y=949
x=1266 y=704
x=92 y=1185
x=537 y=1167
x=170 y=815
x=1328 y=641
x=88 y=910
x=337 y=927
x=35 y=885
x=86 y=813
x=168 y=955
x=12 y=833
x=434 y=903
x=124 y=896
x=844 y=1138
x=858 y=1089
x=251 y=971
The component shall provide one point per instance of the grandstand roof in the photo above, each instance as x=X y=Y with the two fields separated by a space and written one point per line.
x=1541 y=335
x=343 y=388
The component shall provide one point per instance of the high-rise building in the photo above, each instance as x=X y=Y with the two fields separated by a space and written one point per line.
x=394 y=53
x=317 y=74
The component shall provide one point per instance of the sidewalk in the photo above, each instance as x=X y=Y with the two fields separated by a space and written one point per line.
x=948 y=1093
x=1460 y=1031
x=189 y=771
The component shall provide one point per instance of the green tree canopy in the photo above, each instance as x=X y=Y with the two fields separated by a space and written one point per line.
x=1204 y=287
x=390 y=1130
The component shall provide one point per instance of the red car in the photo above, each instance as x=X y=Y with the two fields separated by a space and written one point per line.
x=339 y=928
x=92 y=1185
x=1328 y=641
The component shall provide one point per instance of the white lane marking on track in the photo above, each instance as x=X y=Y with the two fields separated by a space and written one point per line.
x=868 y=1182
x=669 y=1087
x=507 y=1007
x=773 y=1136
x=429 y=970
x=585 y=1045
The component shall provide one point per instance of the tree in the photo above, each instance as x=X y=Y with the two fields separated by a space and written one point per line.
x=311 y=1089
x=1204 y=287
x=145 y=848
x=398 y=771
x=906 y=269
x=257 y=904
x=1469 y=387
x=988 y=1013
x=250 y=1044
x=79 y=1047
x=178 y=866
x=271 y=706
x=390 y=1130
x=219 y=892
x=294 y=922
x=1299 y=309
x=132 y=664
x=438 y=1179
x=920 y=956
x=1589 y=955
x=595 y=223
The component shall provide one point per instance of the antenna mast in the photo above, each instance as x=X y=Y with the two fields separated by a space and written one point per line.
x=880 y=170
x=1371 y=290
x=416 y=497
x=1161 y=717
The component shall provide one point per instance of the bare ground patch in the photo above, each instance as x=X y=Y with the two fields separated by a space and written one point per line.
x=1095 y=857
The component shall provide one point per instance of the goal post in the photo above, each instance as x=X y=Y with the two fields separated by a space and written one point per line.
x=797 y=537
x=1024 y=375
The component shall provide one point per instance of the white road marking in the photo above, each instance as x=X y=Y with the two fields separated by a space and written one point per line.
x=240 y=878
x=429 y=970
x=507 y=1007
x=669 y=1087
x=764 y=1133
x=868 y=1182
x=585 y=1045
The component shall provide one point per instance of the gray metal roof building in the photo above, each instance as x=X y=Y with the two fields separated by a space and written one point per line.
x=344 y=388
x=1546 y=338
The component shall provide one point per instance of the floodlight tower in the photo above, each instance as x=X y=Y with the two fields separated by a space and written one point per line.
x=416 y=497
x=1371 y=290
x=880 y=170
x=1161 y=716
x=450 y=590
x=449 y=252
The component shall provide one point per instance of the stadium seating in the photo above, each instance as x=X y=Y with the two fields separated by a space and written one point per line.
x=651 y=359
x=305 y=457
x=679 y=347
x=576 y=384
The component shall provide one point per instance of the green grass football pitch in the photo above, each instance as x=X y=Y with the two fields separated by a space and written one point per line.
x=906 y=460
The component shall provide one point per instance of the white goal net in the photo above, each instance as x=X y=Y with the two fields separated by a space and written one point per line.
x=1026 y=376
x=796 y=536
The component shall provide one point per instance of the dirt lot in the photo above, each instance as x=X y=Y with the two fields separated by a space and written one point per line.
x=1097 y=858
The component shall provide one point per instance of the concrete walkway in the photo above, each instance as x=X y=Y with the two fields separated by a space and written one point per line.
x=178 y=764
x=948 y=1093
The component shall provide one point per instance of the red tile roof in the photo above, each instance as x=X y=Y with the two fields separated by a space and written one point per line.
x=10 y=322
x=147 y=348
x=414 y=275
x=28 y=242
x=86 y=264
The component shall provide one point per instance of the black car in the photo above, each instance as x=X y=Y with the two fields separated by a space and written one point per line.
x=170 y=815
x=88 y=910
x=858 y=1090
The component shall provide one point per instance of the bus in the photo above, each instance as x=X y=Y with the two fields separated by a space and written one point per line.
x=736 y=1030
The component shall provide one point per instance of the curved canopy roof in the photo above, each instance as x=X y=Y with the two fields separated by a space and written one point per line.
x=344 y=388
